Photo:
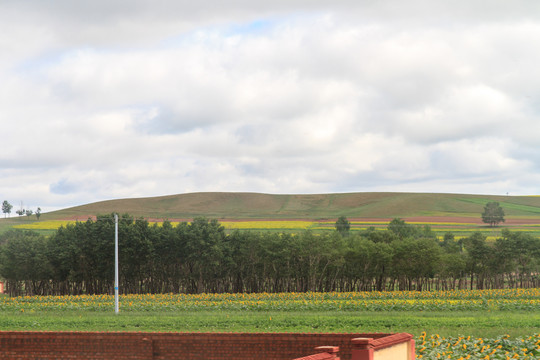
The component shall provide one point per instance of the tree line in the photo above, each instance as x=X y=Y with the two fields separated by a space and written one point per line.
x=7 y=207
x=201 y=257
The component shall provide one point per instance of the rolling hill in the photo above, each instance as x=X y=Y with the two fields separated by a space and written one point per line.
x=225 y=205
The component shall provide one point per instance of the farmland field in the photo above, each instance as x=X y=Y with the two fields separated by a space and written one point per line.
x=465 y=300
x=461 y=324
x=456 y=213
x=499 y=324
x=460 y=227
x=454 y=323
x=449 y=313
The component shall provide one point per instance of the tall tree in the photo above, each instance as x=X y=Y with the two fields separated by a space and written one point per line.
x=23 y=262
x=343 y=226
x=415 y=261
x=6 y=208
x=493 y=213
x=402 y=229
x=478 y=257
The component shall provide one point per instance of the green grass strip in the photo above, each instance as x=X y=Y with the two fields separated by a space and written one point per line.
x=443 y=323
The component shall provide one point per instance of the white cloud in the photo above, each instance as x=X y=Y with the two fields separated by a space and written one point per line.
x=139 y=98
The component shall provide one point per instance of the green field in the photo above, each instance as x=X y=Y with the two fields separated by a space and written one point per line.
x=443 y=323
x=313 y=207
x=499 y=324
x=479 y=313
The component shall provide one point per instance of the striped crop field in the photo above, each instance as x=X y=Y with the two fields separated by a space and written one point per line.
x=278 y=224
x=458 y=229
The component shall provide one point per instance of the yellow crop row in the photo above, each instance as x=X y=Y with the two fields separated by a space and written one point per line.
x=44 y=225
x=268 y=224
x=278 y=224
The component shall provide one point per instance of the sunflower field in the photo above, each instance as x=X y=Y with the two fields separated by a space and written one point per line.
x=462 y=300
x=311 y=311
x=461 y=348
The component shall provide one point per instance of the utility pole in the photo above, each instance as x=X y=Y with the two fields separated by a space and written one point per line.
x=116 y=263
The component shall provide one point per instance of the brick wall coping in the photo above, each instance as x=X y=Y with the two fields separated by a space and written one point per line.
x=381 y=342
x=327 y=353
x=321 y=356
x=391 y=340
x=231 y=333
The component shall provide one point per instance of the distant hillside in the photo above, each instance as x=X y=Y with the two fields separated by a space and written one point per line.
x=222 y=205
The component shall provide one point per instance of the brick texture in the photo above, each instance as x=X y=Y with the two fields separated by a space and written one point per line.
x=160 y=346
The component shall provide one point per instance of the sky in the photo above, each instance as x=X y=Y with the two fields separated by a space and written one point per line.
x=110 y=99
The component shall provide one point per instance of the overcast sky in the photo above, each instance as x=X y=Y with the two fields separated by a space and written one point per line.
x=109 y=99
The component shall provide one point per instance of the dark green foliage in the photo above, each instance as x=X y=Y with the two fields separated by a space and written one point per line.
x=415 y=261
x=379 y=236
x=343 y=226
x=403 y=230
x=200 y=257
x=400 y=228
x=23 y=260
x=518 y=255
x=6 y=207
x=450 y=244
x=493 y=213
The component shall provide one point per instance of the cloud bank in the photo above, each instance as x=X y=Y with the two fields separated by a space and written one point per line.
x=126 y=99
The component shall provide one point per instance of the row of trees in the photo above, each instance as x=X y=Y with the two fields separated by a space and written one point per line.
x=7 y=207
x=200 y=257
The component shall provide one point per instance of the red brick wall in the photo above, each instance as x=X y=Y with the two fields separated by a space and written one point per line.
x=160 y=346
